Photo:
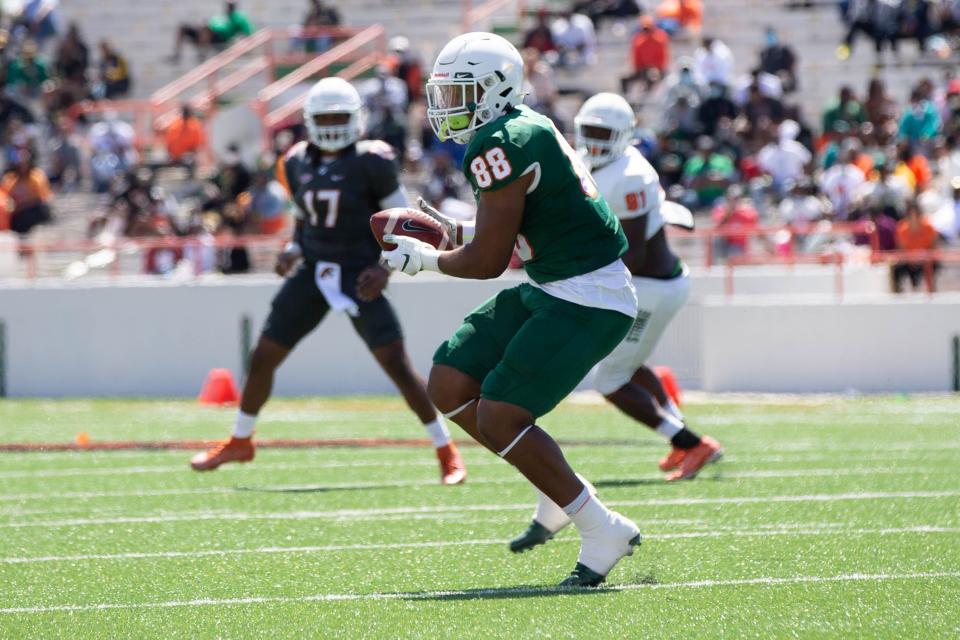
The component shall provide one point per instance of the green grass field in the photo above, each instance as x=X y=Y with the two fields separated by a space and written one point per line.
x=828 y=518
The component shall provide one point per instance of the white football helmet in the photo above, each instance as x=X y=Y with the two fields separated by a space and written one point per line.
x=476 y=79
x=607 y=111
x=333 y=96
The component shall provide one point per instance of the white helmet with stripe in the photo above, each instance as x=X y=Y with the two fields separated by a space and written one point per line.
x=476 y=79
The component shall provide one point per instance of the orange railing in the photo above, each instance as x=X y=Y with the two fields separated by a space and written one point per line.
x=364 y=49
x=788 y=232
x=203 y=86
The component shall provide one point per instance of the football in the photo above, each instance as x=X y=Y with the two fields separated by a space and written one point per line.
x=403 y=221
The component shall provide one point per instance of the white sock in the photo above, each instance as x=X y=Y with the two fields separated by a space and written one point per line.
x=587 y=512
x=670 y=427
x=672 y=407
x=438 y=432
x=244 y=424
x=551 y=516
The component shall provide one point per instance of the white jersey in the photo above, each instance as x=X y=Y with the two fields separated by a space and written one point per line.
x=631 y=187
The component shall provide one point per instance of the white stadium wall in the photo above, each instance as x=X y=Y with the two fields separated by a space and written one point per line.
x=160 y=338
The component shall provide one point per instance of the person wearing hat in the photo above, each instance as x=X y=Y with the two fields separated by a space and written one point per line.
x=650 y=51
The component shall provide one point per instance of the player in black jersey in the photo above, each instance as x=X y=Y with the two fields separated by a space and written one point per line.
x=337 y=183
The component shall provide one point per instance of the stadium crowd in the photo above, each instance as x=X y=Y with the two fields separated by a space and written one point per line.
x=735 y=147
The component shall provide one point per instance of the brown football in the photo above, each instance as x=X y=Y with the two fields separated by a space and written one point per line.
x=403 y=221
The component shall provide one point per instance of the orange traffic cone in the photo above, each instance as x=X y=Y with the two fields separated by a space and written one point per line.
x=219 y=388
x=669 y=382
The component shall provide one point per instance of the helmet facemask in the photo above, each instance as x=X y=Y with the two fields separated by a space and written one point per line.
x=333 y=131
x=457 y=107
x=599 y=144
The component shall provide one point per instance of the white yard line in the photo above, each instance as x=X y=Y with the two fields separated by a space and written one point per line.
x=481 y=593
x=761 y=473
x=362 y=514
x=790 y=530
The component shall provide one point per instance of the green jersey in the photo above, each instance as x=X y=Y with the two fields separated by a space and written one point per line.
x=567 y=228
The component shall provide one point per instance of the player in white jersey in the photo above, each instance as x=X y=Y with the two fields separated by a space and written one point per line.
x=604 y=130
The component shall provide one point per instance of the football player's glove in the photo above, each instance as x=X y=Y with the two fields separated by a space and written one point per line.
x=411 y=255
x=460 y=233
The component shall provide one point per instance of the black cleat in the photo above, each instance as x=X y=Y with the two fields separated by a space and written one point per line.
x=536 y=534
x=582 y=576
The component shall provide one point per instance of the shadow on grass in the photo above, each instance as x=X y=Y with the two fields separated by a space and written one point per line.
x=526 y=591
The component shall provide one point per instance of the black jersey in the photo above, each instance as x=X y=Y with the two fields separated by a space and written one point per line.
x=335 y=199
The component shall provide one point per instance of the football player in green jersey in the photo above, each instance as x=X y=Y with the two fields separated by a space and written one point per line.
x=521 y=352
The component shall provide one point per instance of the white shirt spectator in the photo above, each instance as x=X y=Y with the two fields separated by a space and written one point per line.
x=802 y=210
x=785 y=159
x=715 y=64
x=576 y=34
x=843 y=186
x=770 y=86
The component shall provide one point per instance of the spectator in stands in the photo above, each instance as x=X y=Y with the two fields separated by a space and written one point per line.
x=717 y=105
x=114 y=73
x=843 y=183
x=713 y=62
x=13 y=110
x=913 y=166
x=803 y=205
x=779 y=60
x=683 y=84
x=613 y=9
x=785 y=160
x=707 y=174
x=446 y=187
x=887 y=191
x=879 y=108
x=734 y=213
x=6 y=210
x=184 y=139
x=921 y=122
x=760 y=110
x=73 y=57
x=404 y=63
x=540 y=84
x=27 y=186
x=64 y=156
x=769 y=85
x=27 y=72
x=112 y=151
x=218 y=31
x=319 y=16
x=675 y=16
x=845 y=108
x=915 y=233
x=266 y=201
x=650 y=52
x=540 y=37
x=38 y=20
x=386 y=100
x=575 y=38
x=680 y=121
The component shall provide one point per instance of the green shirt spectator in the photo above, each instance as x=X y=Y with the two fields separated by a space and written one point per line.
x=845 y=109
x=29 y=71
x=226 y=27
x=708 y=173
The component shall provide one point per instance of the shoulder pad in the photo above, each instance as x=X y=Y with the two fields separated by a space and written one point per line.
x=296 y=151
x=377 y=148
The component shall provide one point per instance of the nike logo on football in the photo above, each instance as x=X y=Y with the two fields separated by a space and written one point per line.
x=410 y=225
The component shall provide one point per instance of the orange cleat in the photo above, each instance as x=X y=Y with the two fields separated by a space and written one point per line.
x=672 y=460
x=233 y=450
x=452 y=468
x=704 y=453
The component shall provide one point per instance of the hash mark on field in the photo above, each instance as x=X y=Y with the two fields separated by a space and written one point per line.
x=486 y=593
x=679 y=535
x=350 y=514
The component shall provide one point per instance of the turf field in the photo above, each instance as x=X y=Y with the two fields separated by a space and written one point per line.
x=828 y=518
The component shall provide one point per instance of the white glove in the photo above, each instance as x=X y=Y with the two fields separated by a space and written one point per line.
x=411 y=255
x=449 y=224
